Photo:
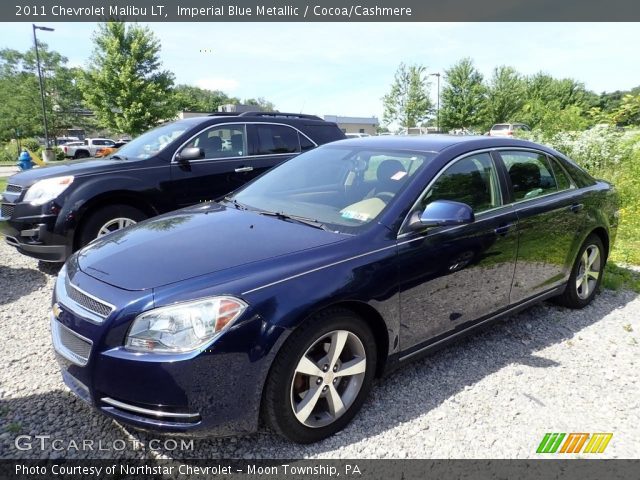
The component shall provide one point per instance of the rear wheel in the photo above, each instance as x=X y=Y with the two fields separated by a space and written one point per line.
x=586 y=274
x=108 y=220
x=81 y=154
x=321 y=377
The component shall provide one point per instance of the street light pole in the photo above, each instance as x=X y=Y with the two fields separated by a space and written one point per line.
x=44 y=109
x=438 y=109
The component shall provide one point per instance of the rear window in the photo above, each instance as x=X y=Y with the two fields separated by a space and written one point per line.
x=324 y=133
x=501 y=126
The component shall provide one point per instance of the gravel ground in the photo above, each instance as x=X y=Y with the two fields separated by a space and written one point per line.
x=491 y=395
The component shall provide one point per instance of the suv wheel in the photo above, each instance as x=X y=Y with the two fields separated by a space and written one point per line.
x=109 y=219
x=321 y=377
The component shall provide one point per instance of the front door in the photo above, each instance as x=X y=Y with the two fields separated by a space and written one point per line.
x=454 y=275
x=224 y=167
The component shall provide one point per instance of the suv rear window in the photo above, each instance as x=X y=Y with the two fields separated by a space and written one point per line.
x=500 y=127
x=324 y=133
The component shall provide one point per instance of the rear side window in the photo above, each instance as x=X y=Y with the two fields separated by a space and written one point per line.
x=274 y=139
x=323 y=133
x=530 y=173
x=562 y=179
x=305 y=143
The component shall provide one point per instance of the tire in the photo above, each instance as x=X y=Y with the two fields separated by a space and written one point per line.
x=119 y=216
x=50 y=268
x=286 y=387
x=81 y=154
x=582 y=285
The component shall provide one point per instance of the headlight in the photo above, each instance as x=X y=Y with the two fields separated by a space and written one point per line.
x=183 y=327
x=44 y=190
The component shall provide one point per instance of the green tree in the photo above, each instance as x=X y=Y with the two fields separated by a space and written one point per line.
x=408 y=102
x=262 y=104
x=464 y=97
x=196 y=99
x=125 y=85
x=505 y=95
x=20 y=101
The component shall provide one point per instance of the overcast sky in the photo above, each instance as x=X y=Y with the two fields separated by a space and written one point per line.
x=345 y=68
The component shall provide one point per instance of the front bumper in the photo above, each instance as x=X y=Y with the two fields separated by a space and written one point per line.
x=213 y=392
x=32 y=233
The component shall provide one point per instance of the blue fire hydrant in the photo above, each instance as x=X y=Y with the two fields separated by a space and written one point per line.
x=24 y=161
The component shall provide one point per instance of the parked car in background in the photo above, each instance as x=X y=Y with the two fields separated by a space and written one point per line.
x=356 y=135
x=64 y=140
x=108 y=151
x=507 y=129
x=284 y=300
x=50 y=212
x=89 y=147
x=69 y=148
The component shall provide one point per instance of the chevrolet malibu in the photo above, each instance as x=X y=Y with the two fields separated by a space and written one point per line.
x=282 y=302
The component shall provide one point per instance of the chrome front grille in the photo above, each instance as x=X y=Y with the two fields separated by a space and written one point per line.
x=69 y=344
x=6 y=210
x=86 y=301
x=13 y=188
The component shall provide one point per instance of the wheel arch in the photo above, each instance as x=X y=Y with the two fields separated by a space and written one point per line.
x=128 y=198
x=602 y=233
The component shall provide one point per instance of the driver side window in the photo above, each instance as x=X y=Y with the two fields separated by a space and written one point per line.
x=472 y=180
x=221 y=142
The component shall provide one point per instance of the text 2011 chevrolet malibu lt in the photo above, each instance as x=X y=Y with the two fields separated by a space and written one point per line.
x=283 y=301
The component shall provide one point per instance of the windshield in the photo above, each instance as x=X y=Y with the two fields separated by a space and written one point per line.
x=342 y=188
x=150 y=143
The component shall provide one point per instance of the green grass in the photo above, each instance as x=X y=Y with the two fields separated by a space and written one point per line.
x=3 y=183
x=617 y=278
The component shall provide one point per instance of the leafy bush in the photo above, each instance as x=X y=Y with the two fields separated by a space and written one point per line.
x=59 y=153
x=599 y=148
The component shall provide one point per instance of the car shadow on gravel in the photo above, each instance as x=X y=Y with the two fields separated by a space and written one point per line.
x=19 y=282
x=423 y=385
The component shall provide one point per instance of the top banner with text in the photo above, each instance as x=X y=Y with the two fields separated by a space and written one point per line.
x=319 y=10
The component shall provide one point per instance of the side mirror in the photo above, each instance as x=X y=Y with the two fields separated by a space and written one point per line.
x=443 y=213
x=190 y=153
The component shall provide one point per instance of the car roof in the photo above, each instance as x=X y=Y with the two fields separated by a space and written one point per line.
x=434 y=142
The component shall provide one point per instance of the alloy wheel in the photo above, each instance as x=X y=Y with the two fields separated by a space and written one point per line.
x=115 y=224
x=588 y=271
x=328 y=378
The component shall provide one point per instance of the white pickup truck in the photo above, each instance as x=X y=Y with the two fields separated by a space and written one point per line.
x=88 y=148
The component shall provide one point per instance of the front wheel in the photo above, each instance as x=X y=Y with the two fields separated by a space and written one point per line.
x=321 y=377
x=586 y=274
x=108 y=220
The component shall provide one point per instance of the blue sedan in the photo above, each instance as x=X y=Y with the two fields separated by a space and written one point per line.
x=283 y=301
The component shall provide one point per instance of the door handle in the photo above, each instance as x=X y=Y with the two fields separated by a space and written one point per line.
x=576 y=207
x=243 y=169
x=504 y=229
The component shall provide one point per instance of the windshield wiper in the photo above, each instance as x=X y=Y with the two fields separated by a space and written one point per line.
x=295 y=218
x=236 y=203
x=117 y=157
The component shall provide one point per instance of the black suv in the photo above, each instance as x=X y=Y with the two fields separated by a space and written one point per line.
x=50 y=212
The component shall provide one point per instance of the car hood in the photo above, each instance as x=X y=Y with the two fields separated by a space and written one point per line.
x=69 y=167
x=195 y=241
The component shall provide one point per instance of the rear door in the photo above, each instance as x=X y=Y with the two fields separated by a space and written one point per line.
x=271 y=144
x=550 y=218
x=225 y=166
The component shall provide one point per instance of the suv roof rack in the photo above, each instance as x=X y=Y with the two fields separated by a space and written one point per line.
x=223 y=114
x=279 y=114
